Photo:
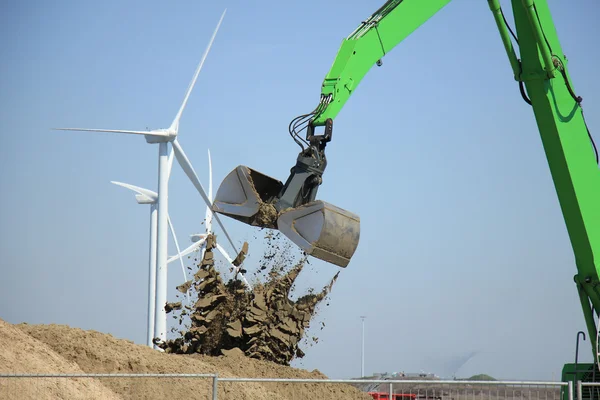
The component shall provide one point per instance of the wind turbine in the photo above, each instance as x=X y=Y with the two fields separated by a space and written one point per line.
x=145 y=196
x=163 y=137
x=199 y=239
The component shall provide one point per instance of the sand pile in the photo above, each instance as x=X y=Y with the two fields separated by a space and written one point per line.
x=21 y=353
x=262 y=323
x=61 y=349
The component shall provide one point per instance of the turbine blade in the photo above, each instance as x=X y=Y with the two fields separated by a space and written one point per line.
x=225 y=254
x=230 y=260
x=187 y=293
x=210 y=182
x=189 y=171
x=137 y=189
x=208 y=216
x=151 y=133
x=170 y=163
x=187 y=251
x=175 y=124
x=202 y=252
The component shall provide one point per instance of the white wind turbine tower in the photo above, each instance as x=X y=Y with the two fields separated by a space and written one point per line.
x=163 y=137
x=199 y=239
x=146 y=196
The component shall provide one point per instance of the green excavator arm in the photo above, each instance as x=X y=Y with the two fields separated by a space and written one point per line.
x=539 y=68
x=366 y=46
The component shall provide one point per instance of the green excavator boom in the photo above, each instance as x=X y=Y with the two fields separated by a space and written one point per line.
x=366 y=46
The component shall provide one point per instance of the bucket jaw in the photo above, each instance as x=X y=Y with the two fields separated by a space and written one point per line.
x=322 y=230
x=247 y=196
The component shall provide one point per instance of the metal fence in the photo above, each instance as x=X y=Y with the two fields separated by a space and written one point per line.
x=212 y=386
x=588 y=390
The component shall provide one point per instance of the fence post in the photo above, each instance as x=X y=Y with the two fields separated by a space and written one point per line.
x=570 y=388
x=391 y=390
x=579 y=391
x=215 y=388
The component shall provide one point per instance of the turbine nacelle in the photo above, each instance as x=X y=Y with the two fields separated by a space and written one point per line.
x=161 y=135
x=143 y=196
x=143 y=199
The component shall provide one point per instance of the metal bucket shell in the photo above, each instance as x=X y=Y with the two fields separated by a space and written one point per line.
x=322 y=230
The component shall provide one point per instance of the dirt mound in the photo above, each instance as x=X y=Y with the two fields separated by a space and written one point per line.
x=96 y=352
x=21 y=353
x=263 y=322
x=230 y=330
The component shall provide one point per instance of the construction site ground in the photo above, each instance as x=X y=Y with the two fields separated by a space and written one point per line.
x=60 y=349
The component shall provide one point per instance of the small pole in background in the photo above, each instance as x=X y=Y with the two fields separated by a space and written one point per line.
x=362 y=353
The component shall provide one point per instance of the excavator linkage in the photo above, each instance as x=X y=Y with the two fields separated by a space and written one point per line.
x=320 y=229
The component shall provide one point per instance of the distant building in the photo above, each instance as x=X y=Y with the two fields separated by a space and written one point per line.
x=403 y=375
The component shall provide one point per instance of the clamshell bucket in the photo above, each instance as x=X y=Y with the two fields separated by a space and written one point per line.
x=246 y=194
x=322 y=230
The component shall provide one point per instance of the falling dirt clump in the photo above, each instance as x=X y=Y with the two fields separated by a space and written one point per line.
x=173 y=306
x=262 y=323
x=184 y=287
x=241 y=256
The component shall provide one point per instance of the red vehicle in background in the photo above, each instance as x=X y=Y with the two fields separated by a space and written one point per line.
x=395 y=396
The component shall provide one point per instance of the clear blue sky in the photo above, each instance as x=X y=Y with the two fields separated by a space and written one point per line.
x=463 y=246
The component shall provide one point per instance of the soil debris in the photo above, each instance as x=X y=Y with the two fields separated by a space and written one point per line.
x=266 y=215
x=262 y=324
x=241 y=256
x=184 y=287
x=173 y=306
